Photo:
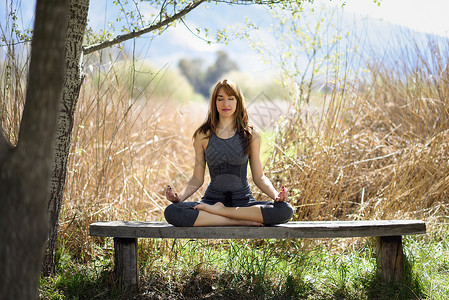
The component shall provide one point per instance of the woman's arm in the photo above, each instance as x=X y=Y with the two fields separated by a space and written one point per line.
x=259 y=178
x=197 y=179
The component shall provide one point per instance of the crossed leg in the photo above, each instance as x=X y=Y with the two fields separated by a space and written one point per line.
x=219 y=215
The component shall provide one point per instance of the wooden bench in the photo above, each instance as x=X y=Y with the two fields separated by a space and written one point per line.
x=390 y=258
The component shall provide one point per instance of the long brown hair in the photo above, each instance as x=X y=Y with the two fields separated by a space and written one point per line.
x=241 y=120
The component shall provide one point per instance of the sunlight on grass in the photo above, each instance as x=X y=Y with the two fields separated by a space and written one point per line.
x=260 y=269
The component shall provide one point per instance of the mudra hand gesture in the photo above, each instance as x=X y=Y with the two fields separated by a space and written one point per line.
x=282 y=196
x=171 y=196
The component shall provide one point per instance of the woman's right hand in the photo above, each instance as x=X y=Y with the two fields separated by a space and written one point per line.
x=172 y=197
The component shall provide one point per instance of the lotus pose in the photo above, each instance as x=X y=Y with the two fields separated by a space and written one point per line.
x=226 y=142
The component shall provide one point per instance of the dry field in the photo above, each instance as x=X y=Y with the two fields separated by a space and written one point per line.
x=378 y=149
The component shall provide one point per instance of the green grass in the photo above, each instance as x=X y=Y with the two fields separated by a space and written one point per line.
x=257 y=269
x=75 y=280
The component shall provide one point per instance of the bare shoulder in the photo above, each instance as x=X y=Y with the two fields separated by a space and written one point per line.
x=255 y=134
x=255 y=147
x=201 y=139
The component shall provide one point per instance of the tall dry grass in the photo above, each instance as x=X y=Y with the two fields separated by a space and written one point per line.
x=380 y=148
x=13 y=73
x=377 y=150
x=129 y=142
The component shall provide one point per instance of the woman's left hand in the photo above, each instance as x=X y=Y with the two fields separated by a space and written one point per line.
x=282 y=196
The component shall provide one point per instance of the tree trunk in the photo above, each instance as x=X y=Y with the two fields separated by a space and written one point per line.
x=25 y=170
x=77 y=20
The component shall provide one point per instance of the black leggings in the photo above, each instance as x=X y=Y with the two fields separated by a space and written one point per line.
x=183 y=214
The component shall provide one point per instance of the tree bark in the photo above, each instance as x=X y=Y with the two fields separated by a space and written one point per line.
x=25 y=170
x=5 y=145
x=77 y=21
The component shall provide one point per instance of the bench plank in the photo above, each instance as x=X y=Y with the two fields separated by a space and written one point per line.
x=290 y=230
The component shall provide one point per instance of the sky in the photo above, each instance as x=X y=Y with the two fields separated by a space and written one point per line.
x=428 y=16
x=425 y=16
x=421 y=15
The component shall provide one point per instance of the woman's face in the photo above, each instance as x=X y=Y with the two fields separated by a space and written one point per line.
x=226 y=104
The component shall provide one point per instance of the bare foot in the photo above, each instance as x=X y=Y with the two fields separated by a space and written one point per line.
x=213 y=209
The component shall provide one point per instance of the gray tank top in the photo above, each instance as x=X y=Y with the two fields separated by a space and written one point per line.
x=227 y=164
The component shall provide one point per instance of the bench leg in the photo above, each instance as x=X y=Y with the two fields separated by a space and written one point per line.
x=390 y=258
x=125 y=261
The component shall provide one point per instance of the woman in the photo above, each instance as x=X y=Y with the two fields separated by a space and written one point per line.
x=226 y=142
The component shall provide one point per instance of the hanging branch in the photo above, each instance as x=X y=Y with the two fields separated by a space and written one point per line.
x=133 y=34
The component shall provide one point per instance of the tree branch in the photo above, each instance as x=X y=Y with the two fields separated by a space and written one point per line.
x=130 y=35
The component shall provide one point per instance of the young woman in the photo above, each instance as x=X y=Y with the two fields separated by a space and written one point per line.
x=226 y=142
